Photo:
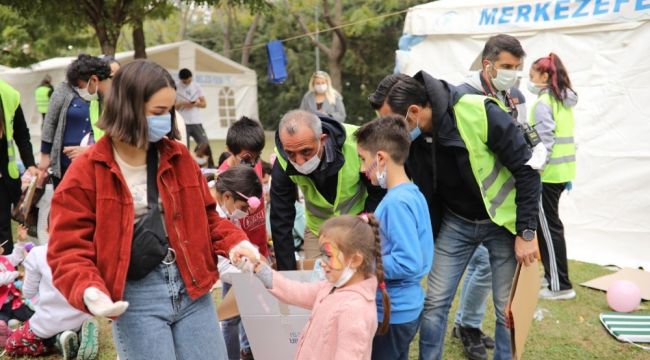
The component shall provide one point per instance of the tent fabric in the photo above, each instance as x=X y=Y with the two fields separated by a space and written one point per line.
x=221 y=79
x=606 y=55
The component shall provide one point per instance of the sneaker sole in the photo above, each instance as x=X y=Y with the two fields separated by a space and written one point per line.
x=89 y=340
x=560 y=297
x=69 y=347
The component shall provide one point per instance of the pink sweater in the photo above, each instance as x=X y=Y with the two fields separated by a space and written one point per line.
x=342 y=324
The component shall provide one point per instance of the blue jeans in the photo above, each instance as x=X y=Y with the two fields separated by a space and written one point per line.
x=475 y=291
x=162 y=322
x=233 y=332
x=455 y=244
x=394 y=344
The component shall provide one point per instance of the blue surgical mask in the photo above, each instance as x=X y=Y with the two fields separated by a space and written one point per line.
x=416 y=131
x=159 y=126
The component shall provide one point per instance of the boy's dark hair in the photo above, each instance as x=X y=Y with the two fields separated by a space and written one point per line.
x=184 y=74
x=84 y=67
x=399 y=91
x=500 y=43
x=266 y=168
x=245 y=134
x=223 y=157
x=239 y=178
x=387 y=133
x=123 y=117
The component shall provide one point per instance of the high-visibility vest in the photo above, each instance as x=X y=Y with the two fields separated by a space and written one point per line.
x=42 y=98
x=94 y=118
x=10 y=102
x=561 y=166
x=351 y=194
x=496 y=183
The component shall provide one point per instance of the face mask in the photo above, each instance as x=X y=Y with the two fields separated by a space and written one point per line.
x=320 y=88
x=308 y=166
x=505 y=79
x=318 y=273
x=381 y=176
x=533 y=88
x=84 y=94
x=346 y=275
x=238 y=214
x=416 y=131
x=159 y=126
x=201 y=161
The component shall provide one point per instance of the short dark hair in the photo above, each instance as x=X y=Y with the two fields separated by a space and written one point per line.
x=134 y=84
x=223 y=157
x=239 y=178
x=500 y=43
x=387 y=133
x=266 y=168
x=399 y=91
x=184 y=74
x=84 y=67
x=245 y=134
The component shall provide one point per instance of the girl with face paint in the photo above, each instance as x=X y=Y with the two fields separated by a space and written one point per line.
x=344 y=312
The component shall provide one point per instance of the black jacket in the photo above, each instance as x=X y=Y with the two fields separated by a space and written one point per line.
x=284 y=192
x=24 y=147
x=440 y=165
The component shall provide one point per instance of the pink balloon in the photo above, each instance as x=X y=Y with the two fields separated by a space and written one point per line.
x=623 y=296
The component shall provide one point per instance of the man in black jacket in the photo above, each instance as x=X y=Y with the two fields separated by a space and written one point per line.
x=469 y=159
x=318 y=155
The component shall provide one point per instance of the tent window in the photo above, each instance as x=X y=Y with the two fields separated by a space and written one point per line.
x=227 y=108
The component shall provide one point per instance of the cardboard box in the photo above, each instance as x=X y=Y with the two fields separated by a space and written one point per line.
x=273 y=328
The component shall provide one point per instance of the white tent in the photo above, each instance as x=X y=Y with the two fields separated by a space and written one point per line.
x=605 y=47
x=230 y=88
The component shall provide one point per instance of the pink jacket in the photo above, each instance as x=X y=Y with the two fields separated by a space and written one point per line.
x=342 y=324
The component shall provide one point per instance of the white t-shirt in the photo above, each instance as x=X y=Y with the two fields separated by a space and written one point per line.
x=136 y=180
x=185 y=93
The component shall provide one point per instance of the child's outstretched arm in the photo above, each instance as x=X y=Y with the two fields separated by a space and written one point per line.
x=18 y=254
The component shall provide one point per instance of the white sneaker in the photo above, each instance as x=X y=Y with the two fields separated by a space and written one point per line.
x=543 y=283
x=557 y=295
x=68 y=343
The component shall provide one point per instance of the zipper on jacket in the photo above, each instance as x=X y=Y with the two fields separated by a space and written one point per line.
x=178 y=236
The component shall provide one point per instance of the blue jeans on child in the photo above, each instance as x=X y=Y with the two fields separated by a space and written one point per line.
x=394 y=344
x=162 y=322
x=233 y=332
x=475 y=291
x=455 y=244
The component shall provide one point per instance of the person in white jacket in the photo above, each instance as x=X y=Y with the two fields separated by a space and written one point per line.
x=55 y=322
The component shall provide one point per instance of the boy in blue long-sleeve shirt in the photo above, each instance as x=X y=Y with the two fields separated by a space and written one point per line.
x=405 y=229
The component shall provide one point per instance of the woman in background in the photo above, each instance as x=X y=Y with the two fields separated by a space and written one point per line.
x=322 y=98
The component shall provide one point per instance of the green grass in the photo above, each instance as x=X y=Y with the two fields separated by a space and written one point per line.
x=570 y=329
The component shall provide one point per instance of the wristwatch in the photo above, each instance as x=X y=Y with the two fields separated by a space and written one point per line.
x=528 y=234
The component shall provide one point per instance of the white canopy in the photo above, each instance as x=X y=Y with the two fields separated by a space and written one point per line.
x=604 y=46
x=230 y=88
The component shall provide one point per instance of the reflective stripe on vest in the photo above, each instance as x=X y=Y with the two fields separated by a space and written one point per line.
x=561 y=167
x=10 y=102
x=42 y=98
x=94 y=118
x=496 y=183
x=351 y=194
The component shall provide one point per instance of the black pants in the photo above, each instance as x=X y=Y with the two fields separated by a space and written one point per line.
x=22 y=313
x=6 y=197
x=551 y=238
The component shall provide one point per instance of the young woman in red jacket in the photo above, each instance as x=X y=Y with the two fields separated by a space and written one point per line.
x=164 y=310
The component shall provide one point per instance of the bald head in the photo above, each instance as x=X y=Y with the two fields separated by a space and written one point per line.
x=292 y=122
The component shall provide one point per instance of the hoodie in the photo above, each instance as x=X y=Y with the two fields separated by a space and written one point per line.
x=284 y=192
x=544 y=122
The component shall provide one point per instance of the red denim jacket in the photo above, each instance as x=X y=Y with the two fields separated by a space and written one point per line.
x=92 y=215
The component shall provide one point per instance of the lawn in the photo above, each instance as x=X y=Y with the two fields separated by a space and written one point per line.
x=569 y=329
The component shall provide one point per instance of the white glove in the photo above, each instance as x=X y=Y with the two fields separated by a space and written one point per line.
x=538 y=158
x=7 y=277
x=100 y=304
x=225 y=269
x=251 y=256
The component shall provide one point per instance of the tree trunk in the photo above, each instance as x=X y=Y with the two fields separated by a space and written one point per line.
x=226 y=29
x=138 y=40
x=338 y=46
x=246 y=51
x=107 y=46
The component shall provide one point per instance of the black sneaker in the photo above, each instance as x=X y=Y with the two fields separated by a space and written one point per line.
x=487 y=340
x=472 y=343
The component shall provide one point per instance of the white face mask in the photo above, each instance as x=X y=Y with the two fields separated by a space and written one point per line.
x=201 y=161
x=238 y=214
x=505 y=79
x=308 y=166
x=381 y=176
x=346 y=275
x=320 y=88
x=534 y=88
x=85 y=94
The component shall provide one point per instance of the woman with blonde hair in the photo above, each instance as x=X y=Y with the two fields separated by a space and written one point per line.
x=322 y=98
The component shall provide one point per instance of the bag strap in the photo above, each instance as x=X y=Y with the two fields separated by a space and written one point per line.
x=152 y=170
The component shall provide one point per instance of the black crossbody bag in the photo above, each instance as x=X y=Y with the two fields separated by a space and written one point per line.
x=150 y=246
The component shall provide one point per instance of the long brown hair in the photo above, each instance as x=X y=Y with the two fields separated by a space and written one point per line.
x=123 y=116
x=353 y=234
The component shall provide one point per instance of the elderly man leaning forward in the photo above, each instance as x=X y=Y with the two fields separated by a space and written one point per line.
x=317 y=154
